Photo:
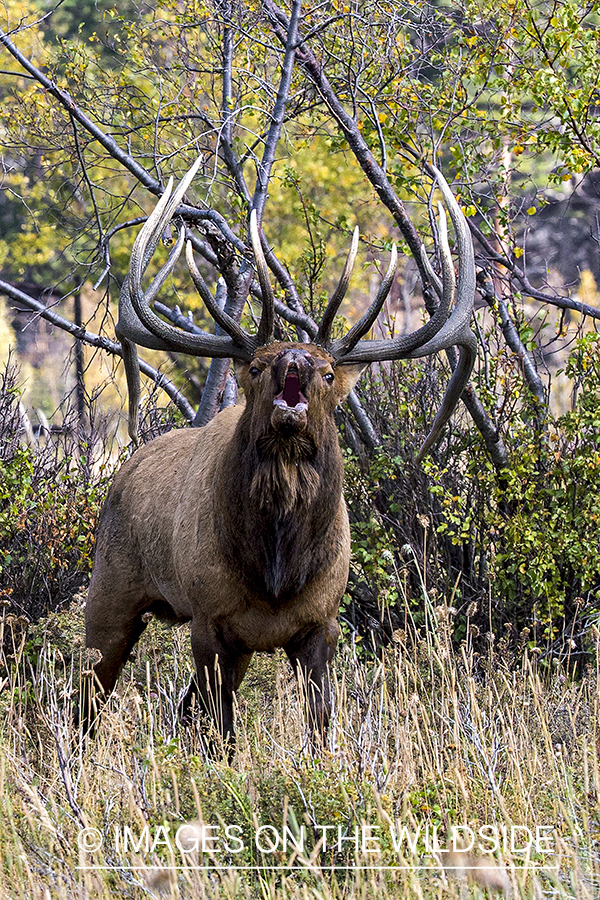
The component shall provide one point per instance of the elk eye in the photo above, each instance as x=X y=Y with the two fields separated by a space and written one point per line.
x=254 y=372
x=328 y=377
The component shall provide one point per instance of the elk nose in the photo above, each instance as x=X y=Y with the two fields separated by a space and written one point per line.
x=297 y=357
x=294 y=354
x=294 y=359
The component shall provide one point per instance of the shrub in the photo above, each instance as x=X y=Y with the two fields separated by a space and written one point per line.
x=517 y=548
x=49 y=500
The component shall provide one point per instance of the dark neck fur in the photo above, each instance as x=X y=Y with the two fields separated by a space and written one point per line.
x=278 y=499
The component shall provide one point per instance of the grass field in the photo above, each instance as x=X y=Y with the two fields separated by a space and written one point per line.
x=428 y=749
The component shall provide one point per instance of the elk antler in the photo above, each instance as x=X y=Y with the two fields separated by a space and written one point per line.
x=135 y=302
x=338 y=295
x=441 y=332
x=267 y=319
x=138 y=324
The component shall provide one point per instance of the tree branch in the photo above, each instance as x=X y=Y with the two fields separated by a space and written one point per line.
x=99 y=341
x=189 y=213
x=217 y=375
x=511 y=336
x=356 y=142
x=263 y=174
x=66 y=101
x=560 y=302
x=231 y=160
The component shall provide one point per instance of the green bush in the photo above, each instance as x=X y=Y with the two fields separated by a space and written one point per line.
x=49 y=502
x=517 y=548
x=548 y=560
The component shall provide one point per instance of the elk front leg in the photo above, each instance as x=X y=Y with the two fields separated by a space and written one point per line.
x=310 y=653
x=220 y=669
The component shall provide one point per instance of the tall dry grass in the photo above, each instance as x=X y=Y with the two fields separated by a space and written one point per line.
x=421 y=737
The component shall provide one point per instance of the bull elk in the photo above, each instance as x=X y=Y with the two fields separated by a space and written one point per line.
x=240 y=527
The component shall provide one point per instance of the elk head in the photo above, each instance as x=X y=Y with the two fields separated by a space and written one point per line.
x=326 y=359
x=297 y=386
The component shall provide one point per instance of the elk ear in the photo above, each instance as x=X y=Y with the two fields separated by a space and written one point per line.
x=238 y=367
x=347 y=376
x=241 y=374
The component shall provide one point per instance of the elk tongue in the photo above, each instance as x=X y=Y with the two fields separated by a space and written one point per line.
x=291 y=389
x=291 y=395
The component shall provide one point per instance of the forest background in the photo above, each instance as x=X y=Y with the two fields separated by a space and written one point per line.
x=491 y=547
x=113 y=101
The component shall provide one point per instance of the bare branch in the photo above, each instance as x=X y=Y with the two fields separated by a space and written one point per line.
x=217 y=374
x=511 y=335
x=369 y=435
x=560 y=302
x=189 y=213
x=376 y=175
x=99 y=341
x=73 y=110
x=86 y=177
x=277 y=116
x=231 y=160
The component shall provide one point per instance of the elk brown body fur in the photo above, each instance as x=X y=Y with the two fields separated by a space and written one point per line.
x=239 y=527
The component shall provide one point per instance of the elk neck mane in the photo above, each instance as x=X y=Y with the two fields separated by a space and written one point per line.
x=279 y=499
x=285 y=477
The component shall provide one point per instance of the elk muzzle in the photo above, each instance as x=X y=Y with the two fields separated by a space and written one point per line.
x=293 y=370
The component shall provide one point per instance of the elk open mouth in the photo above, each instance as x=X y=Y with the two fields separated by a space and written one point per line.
x=290 y=406
x=291 y=397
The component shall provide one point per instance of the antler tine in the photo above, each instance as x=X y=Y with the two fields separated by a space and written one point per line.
x=456 y=331
x=338 y=295
x=267 y=318
x=138 y=322
x=163 y=274
x=129 y=326
x=458 y=323
x=465 y=339
x=351 y=339
x=162 y=213
x=446 y=286
x=440 y=332
x=229 y=325
x=460 y=378
x=154 y=227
